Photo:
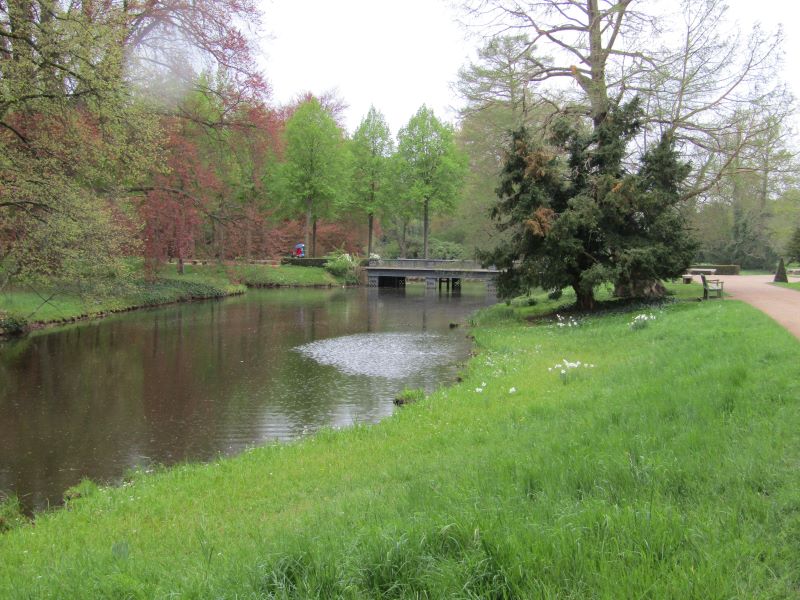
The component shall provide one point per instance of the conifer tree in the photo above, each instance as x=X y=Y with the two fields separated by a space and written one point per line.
x=580 y=217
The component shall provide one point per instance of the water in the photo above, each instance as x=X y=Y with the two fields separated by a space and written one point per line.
x=195 y=381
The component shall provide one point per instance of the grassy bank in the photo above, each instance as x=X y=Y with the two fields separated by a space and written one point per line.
x=666 y=470
x=30 y=308
x=792 y=285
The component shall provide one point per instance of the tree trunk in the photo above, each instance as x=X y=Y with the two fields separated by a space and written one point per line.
x=180 y=265
x=369 y=237
x=308 y=223
x=641 y=288
x=248 y=240
x=425 y=229
x=314 y=239
x=402 y=240
x=583 y=299
x=221 y=244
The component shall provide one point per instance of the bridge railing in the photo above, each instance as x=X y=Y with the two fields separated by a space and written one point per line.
x=427 y=263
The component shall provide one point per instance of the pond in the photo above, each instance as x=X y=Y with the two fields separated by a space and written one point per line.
x=191 y=382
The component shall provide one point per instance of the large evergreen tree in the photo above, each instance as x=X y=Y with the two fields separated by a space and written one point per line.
x=579 y=215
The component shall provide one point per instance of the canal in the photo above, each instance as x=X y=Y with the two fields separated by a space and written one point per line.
x=191 y=382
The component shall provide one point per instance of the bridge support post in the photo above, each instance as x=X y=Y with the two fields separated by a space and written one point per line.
x=491 y=287
x=373 y=281
x=430 y=283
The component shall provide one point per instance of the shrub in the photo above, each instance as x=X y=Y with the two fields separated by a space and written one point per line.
x=555 y=294
x=342 y=265
x=446 y=250
x=11 y=325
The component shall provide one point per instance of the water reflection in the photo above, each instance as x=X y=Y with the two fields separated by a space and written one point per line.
x=189 y=382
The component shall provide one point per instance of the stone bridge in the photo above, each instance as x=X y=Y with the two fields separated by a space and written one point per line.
x=393 y=273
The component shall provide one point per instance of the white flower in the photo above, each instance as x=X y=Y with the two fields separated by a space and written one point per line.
x=512 y=390
x=479 y=389
x=563 y=372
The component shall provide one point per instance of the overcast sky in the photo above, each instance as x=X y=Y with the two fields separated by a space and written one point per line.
x=400 y=54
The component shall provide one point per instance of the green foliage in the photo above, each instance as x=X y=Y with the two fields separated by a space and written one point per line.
x=793 y=247
x=579 y=217
x=12 y=324
x=343 y=266
x=429 y=169
x=313 y=177
x=72 y=139
x=371 y=147
x=447 y=250
x=11 y=515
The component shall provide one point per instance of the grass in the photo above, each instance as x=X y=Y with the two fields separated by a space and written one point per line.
x=21 y=307
x=667 y=471
x=792 y=285
x=284 y=275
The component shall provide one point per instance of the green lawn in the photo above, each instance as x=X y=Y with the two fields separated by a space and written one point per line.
x=669 y=469
x=284 y=275
x=792 y=285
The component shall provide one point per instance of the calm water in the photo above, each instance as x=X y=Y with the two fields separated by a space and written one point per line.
x=193 y=381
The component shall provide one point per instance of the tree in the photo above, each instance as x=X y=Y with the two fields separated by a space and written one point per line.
x=71 y=137
x=501 y=77
x=692 y=78
x=430 y=166
x=580 y=217
x=793 y=248
x=499 y=99
x=372 y=146
x=314 y=172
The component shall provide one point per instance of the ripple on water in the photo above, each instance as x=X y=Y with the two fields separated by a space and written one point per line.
x=389 y=355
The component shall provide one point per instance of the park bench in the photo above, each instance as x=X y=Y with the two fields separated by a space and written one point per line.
x=711 y=286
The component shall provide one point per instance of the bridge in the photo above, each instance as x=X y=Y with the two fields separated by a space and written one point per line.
x=393 y=273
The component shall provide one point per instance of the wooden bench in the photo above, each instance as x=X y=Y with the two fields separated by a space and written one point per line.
x=711 y=286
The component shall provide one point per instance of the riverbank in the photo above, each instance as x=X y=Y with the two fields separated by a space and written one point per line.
x=24 y=310
x=662 y=464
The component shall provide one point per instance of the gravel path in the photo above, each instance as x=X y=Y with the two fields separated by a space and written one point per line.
x=780 y=303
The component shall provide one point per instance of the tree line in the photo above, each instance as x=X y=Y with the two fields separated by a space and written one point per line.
x=640 y=142
x=143 y=127
x=610 y=143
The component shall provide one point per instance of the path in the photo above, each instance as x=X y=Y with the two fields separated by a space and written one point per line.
x=780 y=303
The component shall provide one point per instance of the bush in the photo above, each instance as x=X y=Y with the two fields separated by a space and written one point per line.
x=343 y=266
x=446 y=250
x=10 y=325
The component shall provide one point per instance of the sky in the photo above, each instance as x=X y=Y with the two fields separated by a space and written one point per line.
x=400 y=54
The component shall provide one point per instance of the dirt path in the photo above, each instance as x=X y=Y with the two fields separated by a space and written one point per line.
x=780 y=303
